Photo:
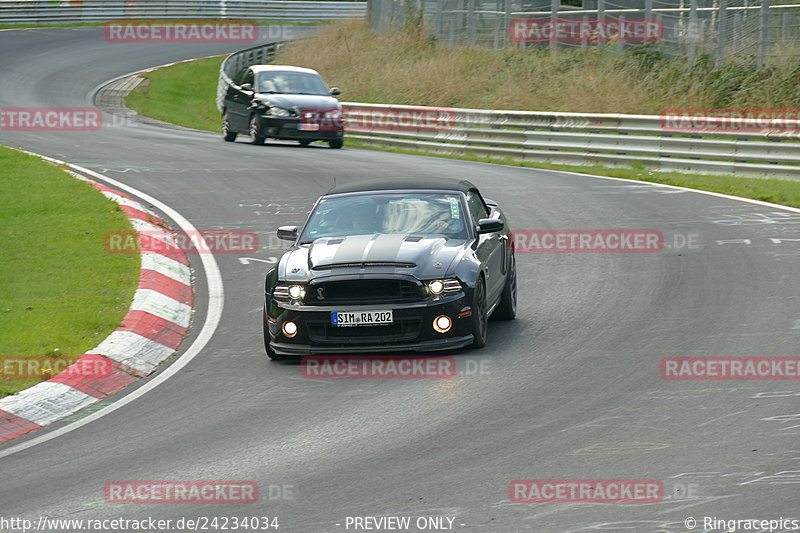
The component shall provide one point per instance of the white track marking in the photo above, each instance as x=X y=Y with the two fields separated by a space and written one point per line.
x=216 y=300
x=47 y=402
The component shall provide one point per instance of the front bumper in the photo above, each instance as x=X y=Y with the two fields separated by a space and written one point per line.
x=291 y=128
x=426 y=346
x=411 y=330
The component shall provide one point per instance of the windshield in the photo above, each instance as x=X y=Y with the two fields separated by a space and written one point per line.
x=281 y=82
x=417 y=213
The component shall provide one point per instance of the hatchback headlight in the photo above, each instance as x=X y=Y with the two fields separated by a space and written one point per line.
x=279 y=112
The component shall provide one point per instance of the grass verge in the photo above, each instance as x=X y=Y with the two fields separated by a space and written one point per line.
x=62 y=293
x=183 y=94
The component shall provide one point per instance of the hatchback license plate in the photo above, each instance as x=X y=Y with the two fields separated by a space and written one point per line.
x=361 y=318
x=308 y=127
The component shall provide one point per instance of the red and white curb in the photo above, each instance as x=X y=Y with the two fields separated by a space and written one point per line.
x=165 y=65
x=156 y=324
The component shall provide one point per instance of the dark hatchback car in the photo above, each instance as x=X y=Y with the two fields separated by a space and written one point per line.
x=282 y=102
x=391 y=265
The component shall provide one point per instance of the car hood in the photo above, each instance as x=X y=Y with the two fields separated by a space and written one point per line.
x=301 y=101
x=424 y=257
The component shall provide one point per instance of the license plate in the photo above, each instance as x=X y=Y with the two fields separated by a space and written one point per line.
x=361 y=318
x=308 y=127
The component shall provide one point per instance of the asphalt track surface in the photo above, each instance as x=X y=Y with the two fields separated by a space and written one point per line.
x=570 y=390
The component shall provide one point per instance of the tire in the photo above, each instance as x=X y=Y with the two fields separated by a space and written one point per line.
x=255 y=137
x=336 y=143
x=480 y=321
x=305 y=142
x=270 y=352
x=507 y=308
x=227 y=134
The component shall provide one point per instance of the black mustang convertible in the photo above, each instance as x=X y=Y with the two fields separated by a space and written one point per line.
x=391 y=265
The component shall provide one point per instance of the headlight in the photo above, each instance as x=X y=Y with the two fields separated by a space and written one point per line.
x=296 y=292
x=286 y=292
x=436 y=286
x=279 y=112
x=439 y=286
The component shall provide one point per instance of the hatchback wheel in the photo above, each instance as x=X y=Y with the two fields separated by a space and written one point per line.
x=255 y=135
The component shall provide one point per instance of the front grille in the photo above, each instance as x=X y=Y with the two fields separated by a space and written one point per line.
x=364 y=291
x=402 y=330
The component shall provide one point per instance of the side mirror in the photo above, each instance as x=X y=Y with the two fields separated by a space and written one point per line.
x=490 y=225
x=287 y=233
x=335 y=91
x=247 y=87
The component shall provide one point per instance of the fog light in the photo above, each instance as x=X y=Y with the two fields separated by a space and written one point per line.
x=442 y=324
x=289 y=329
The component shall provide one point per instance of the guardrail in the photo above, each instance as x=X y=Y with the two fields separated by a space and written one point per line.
x=256 y=55
x=752 y=148
x=768 y=149
x=48 y=12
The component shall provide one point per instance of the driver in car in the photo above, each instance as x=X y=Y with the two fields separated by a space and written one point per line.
x=362 y=219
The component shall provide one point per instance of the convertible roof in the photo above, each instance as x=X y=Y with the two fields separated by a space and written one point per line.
x=399 y=184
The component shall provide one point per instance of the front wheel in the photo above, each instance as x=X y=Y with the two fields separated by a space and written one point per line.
x=507 y=309
x=255 y=135
x=336 y=143
x=480 y=320
x=227 y=133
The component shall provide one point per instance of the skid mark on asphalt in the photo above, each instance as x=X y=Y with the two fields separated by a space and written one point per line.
x=620 y=448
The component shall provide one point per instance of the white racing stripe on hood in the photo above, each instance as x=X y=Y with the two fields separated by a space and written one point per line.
x=353 y=249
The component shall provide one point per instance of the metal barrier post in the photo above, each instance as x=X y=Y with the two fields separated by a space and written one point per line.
x=763 y=36
x=692 y=30
x=722 y=35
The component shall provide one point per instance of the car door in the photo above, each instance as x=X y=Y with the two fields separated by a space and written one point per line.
x=489 y=248
x=237 y=103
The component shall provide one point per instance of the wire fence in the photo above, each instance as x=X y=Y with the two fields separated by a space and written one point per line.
x=761 y=30
x=94 y=11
